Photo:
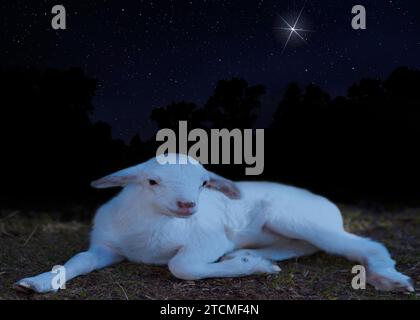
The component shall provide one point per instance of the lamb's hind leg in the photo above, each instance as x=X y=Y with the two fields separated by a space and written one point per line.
x=381 y=271
x=95 y=258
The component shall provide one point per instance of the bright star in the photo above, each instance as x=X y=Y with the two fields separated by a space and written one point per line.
x=292 y=29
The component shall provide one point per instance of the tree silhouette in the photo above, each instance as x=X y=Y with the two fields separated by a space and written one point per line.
x=53 y=147
x=359 y=146
x=234 y=104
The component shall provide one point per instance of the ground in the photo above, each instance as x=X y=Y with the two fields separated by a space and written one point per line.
x=29 y=246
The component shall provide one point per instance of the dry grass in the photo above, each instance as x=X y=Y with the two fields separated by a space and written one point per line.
x=29 y=246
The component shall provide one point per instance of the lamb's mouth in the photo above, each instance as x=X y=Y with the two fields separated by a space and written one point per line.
x=182 y=213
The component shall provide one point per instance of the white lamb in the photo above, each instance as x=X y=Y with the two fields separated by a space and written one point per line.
x=203 y=226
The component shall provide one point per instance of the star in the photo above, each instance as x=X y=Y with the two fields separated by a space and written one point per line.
x=292 y=29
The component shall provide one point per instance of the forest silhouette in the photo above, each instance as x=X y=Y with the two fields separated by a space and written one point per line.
x=358 y=147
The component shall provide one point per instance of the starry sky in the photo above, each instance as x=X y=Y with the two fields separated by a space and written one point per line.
x=146 y=54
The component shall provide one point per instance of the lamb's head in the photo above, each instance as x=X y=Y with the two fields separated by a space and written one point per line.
x=171 y=184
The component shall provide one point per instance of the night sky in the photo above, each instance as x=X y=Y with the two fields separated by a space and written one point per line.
x=149 y=53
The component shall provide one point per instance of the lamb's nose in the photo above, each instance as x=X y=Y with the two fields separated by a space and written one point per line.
x=185 y=205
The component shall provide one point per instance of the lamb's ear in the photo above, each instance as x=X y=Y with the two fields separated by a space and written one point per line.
x=118 y=179
x=227 y=187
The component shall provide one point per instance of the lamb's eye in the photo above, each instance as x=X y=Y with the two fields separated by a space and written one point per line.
x=152 y=182
x=204 y=183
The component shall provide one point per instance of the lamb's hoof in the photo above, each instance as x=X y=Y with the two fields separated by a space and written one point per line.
x=276 y=268
x=23 y=287
x=391 y=280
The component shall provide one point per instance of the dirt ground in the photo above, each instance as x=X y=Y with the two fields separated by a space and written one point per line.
x=29 y=246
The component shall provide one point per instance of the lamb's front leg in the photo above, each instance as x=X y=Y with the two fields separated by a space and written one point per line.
x=82 y=263
x=188 y=266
